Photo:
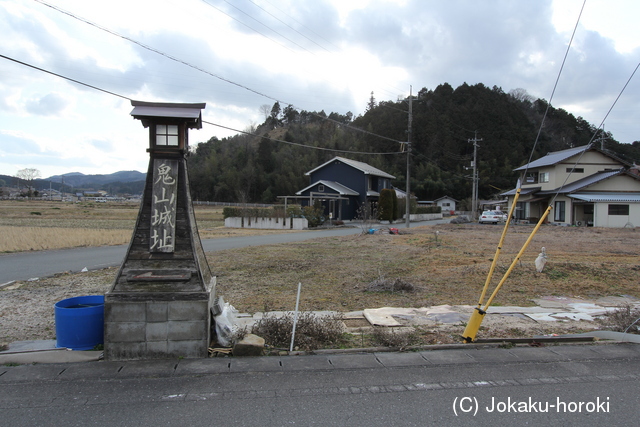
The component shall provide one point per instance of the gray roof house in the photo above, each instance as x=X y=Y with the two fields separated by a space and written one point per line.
x=585 y=186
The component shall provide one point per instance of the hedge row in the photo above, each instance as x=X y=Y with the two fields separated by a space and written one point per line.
x=428 y=209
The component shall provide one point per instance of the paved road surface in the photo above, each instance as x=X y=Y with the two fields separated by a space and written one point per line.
x=552 y=386
x=28 y=265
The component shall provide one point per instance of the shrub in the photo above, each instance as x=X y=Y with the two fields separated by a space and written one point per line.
x=312 y=331
x=462 y=219
x=387 y=205
x=314 y=215
x=382 y=284
x=623 y=319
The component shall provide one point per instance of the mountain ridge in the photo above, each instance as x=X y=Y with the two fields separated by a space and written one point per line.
x=78 y=179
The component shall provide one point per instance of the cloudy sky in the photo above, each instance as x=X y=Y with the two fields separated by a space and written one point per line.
x=329 y=55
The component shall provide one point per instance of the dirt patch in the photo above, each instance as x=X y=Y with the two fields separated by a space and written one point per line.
x=447 y=267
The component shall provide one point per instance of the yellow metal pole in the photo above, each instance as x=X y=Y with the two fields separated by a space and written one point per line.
x=475 y=320
x=499 y=248
x=517 y=258
x=473 y=325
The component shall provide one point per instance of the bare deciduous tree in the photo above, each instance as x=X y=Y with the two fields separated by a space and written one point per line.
x=265 y=109
x=28 y=175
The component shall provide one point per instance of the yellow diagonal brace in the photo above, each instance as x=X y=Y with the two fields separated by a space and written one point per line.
x=475 y=320
x=499 y=248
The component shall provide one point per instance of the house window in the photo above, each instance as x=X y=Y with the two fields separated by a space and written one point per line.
x=544 y=177
x=167 y=135
x=559 y=212
x=618 y=209
x=321 y=188
x=575 y=170
x=532 y=178
x=522 y=210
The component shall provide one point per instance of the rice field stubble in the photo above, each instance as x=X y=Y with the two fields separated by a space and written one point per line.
x=33 y=225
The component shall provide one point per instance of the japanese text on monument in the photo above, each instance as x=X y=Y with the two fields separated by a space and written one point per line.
x=163 y=205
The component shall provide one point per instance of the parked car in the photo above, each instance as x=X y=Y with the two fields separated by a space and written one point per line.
x=492 y=217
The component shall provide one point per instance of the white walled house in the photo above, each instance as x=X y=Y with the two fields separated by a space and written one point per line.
x=446 y=203
x=585 y=186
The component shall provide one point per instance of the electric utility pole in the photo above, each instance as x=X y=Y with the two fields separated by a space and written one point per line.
x=408 y=198
x=474 y=190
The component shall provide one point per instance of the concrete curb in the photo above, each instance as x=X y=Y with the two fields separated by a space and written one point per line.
x=61 y=355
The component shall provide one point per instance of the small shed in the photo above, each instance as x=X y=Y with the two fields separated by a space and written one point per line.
x=446 y=203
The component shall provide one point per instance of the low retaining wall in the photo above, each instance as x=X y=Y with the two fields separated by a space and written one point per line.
x=267 y=223
x=425 y=217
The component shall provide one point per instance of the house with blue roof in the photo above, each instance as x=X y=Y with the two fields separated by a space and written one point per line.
x=585 y=186
x=343 y=185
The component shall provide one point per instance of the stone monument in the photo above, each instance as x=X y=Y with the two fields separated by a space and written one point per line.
x=159 y=305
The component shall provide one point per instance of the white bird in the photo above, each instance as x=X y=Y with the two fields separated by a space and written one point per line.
x=541 y=260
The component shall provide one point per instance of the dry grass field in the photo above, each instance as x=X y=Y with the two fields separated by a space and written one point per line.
x=42 y=225
x=444 y=264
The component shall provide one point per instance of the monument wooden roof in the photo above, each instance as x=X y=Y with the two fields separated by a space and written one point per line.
x=192 y=113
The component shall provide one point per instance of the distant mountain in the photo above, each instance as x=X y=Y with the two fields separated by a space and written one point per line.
x=77 y=179
x=119 y=183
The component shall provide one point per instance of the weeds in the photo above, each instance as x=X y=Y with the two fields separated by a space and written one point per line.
x=390 y=337
x=312 y=331
x=623 y=319
x=382 y=284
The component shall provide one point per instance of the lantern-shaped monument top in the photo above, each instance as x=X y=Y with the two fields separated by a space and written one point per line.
x=168 y=123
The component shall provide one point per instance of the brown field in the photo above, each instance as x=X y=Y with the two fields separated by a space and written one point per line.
x=446 y=264
x=449 y=267
x=43 y=225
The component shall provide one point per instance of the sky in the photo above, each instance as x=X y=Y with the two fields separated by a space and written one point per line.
x=238 y=55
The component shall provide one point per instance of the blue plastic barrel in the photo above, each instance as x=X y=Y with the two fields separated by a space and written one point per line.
x=80 y=322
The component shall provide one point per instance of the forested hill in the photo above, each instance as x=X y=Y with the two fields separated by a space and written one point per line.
x=246 y=168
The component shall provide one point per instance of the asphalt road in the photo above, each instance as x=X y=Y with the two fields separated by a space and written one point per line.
x=31 y=265
x=551 y=386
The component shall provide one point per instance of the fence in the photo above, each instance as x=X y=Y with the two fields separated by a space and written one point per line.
x=252 y=205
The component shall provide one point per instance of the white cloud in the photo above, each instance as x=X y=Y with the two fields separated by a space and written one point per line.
x=51 y=104
x=317 y=55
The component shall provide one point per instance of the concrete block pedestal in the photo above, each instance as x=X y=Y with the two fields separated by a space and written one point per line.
x=156 y=329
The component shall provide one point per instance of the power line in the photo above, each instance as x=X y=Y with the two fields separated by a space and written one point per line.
x=304 y=26
x=159 y=52
x=253 y=29
x=289 y=26
x=297 y=144
x=64 y=77
x=214 y=124
x=546 y=111
x=144 y=46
